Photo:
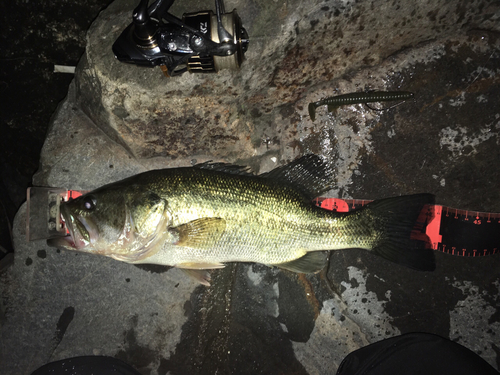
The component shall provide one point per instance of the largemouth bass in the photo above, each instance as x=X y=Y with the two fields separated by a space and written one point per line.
x=198 y=218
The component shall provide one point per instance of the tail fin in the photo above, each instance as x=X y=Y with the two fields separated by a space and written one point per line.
x=395 y=219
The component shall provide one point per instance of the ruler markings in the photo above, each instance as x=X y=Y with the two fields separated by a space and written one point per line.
x=452 y=231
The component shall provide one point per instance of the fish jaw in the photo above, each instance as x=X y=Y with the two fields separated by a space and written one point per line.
x=129 y=246
x=82 y=234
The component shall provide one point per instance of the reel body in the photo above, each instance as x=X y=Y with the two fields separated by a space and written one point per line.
x=200 y=42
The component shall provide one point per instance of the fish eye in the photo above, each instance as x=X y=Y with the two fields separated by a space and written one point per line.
x=89 y=202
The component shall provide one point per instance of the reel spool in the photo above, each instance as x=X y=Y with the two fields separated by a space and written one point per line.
x=232 y=23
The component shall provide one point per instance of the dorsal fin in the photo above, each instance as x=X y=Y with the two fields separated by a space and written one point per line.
x=225 y=167
x=309 y=174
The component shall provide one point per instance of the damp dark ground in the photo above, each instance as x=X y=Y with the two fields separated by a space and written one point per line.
x=34 y=36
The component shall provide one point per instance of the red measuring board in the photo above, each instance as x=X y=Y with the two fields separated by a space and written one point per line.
x=451 y=231
x=72 y=194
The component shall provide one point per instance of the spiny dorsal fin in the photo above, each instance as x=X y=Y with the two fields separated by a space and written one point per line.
x=309 y=174
x=226 y=168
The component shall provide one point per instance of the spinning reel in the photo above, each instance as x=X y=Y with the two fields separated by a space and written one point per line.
x=199 y=42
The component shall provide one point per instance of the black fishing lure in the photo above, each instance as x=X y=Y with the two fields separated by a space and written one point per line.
x=358 y=97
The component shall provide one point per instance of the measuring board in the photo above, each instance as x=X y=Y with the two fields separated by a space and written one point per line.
x=451 y=231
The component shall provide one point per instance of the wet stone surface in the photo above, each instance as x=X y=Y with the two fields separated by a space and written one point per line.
x=231 y=116
x=256 y=319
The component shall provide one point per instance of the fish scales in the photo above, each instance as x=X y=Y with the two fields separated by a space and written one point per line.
x=265 y=222
x=199 y=218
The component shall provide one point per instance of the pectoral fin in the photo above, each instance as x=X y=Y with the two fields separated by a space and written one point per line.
x=201 y=233
x=310 y=263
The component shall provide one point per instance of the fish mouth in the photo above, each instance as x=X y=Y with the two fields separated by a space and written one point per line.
x=80 y=232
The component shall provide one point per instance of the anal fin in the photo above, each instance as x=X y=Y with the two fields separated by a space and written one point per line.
x=312 y=262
